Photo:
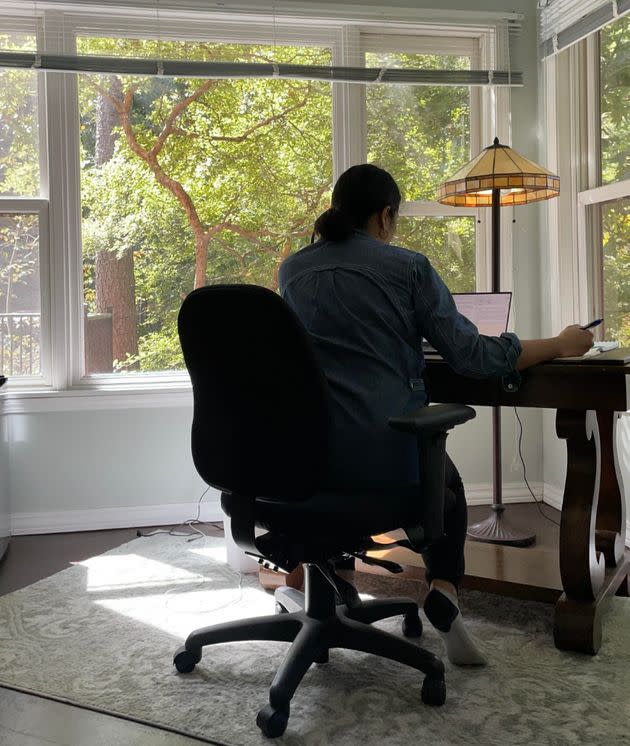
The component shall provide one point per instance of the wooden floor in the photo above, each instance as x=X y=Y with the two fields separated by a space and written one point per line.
x=26 y=720
x=531 y=573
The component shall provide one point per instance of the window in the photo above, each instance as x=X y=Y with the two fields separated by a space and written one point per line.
x=613 y=217
x=191 y=182
x=19 y=127
x=604 y=207
x=20 y=293
x=614 y=261
x=422 y=135
x=20 y=306
x=614 y=43
x=158 y=184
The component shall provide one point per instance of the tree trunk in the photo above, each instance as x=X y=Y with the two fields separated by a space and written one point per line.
x=105 y=122
x=115 y=294
x=201 y=258
x=113 y=272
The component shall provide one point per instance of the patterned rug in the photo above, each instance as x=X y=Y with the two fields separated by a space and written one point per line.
x=102 y=634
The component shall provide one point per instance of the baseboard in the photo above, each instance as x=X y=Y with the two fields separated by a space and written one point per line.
x=513 y=492
x=553 y=497
x=121 y=517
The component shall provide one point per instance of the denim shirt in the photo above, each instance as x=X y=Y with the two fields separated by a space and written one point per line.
x=367 y=306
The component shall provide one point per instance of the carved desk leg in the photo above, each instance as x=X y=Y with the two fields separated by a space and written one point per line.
x=610 y=534
x=577 y=622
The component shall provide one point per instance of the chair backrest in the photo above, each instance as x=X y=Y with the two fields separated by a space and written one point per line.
x=261 y=411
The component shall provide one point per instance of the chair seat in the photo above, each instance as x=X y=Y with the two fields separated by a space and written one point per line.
x=338 y=513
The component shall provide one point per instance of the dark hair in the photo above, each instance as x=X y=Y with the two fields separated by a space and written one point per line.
x=358 y=194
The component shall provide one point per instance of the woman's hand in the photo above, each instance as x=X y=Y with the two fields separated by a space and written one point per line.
x=571 y=342
x=574 y=341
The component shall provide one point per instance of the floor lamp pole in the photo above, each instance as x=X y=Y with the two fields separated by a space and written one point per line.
x=496 y=529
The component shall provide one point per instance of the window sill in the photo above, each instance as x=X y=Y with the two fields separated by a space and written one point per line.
x=92 y=398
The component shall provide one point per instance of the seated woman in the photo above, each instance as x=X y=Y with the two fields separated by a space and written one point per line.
x=367 y=306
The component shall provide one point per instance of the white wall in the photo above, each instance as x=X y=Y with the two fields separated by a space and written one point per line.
x=121 y=464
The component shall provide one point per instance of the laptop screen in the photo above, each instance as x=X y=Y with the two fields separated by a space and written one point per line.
x=489 y=312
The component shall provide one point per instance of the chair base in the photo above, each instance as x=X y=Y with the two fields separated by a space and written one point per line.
x=315 y=624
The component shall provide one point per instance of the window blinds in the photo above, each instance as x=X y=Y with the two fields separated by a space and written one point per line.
x=565 y=22
x=47 y=39
x=209 y=69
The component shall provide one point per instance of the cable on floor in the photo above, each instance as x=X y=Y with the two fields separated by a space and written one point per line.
x=191 y=523
x=520 y=453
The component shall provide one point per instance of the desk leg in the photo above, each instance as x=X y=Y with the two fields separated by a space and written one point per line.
x=577 y=622
x=592 y=529
x=610 y=536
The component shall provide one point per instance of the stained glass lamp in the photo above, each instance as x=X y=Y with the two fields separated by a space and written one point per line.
x=498 y=176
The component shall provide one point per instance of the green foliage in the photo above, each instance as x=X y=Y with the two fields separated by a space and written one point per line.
x=615 y=150
x=448 y=242
x=253 y=154
x=19 y=146
x=420 y=134
x=615 y=97
x=616 y=255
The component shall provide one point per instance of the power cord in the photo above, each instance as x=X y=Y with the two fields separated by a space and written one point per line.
x=520 y=453
x=192 y=524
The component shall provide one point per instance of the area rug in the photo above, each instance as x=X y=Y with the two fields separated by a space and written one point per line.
x=102 y=634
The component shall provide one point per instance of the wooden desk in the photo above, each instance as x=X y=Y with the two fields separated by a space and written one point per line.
x=588 y=398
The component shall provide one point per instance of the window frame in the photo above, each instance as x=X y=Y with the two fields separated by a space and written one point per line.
x=36 y=206
x=576 y=156
x=62 y=277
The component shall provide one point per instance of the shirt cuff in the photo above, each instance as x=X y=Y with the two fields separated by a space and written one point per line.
x=512 y=381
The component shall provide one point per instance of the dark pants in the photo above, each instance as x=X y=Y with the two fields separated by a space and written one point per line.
x=445 y=559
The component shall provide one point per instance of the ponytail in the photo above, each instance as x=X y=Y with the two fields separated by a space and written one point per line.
x=333 y=225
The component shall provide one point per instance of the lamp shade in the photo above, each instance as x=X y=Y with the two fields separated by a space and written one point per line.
x=520 y=180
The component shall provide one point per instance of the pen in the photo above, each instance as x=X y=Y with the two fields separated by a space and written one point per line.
x=591 y=324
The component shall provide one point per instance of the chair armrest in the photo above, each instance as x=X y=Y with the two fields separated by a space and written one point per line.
x=436 y=418
x=430 y=425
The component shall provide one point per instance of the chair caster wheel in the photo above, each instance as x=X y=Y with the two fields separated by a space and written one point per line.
x=185 y=660
x=433 y=692
x=272 y=722
x=412 y=626
x=280 y=608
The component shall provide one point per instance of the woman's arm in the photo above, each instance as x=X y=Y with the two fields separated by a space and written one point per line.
x=571 y=342
x=470 y=353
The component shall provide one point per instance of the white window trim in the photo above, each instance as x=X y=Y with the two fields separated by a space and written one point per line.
x=488 y=32
x=586 y=238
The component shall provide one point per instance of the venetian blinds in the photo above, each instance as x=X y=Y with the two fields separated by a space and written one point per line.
x=190 y=39
x=565 y=22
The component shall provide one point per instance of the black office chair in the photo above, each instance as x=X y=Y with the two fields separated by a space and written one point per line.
x=260 y=435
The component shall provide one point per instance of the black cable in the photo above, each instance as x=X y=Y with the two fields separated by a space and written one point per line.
x=520 y=453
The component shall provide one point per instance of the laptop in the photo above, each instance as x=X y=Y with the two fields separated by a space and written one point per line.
x=489 y=312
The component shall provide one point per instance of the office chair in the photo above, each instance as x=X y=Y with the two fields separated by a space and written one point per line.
x=260 y=435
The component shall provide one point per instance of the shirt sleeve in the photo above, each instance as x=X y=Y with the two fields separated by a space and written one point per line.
x=455 y=337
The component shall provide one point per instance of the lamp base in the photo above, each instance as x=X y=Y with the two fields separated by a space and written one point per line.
x=496 y=529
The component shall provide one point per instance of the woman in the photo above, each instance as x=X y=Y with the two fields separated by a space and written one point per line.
x=367 y=305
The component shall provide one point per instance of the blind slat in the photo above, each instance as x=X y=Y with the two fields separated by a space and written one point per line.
x=565 y=22
x=206 y=69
